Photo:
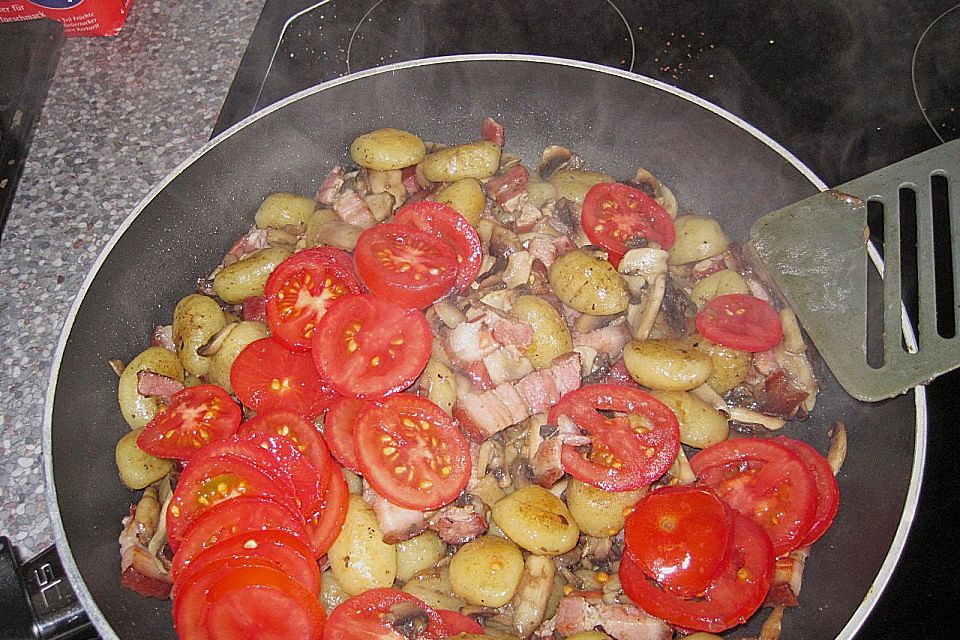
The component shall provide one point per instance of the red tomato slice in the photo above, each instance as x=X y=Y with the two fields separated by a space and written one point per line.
x=828 y=493
x=264 y=603
x=190 y=599
x=240 y=516
x=614 y=213
x=303 y=475
x=411 y=452
x=405 y=266
x=680 y=537
x=627 y=451
x=446 y=223
x=338 y=426
x=281 y=548
x=365 y=617
x=301 y=288
x=324 y=526
x=455 y=623
x=195 y=417
x=268 y=377
x=731 y=598
x=303 y=434
x=740 y=321
x=367 y=347
x=766 y=482
x=235 y=471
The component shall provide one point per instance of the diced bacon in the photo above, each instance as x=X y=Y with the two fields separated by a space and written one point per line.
x=513 y=331
x=507 y=364
x=787 y=577
x=478 y=375
x=397 y=523
x=330 y=189
x=621 y=621
x=563 y=244
x=353 y=210
x=765 y=362
x=481 y=415
x=708 y=267
x=565 y=370
x=507 y=188
x=569 y=432
x=408 y=178
x=539 y=391
x=545 y=462
x=492 y=130
x=162 y=336
x=459 y=525
x=610 y=339
x=543 y=249
x=619 y=374
x=255 y=309
x=145 y=585
x=469 y=342
x=253 y=241
x=507 y=394
x=154 y=385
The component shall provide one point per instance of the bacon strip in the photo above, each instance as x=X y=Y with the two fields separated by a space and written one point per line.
x=154 y=385
x=330 y=189
x=492 y=130
x=397 y=523
x=507 y=188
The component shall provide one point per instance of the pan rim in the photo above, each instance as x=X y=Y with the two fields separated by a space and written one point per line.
x=59 y=533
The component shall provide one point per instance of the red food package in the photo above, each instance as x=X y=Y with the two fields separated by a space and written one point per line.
x=78 y=17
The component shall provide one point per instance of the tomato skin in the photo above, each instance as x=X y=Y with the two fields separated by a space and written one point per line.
x=338 y=428
x=740 y=321
x=281 y=548
x=292 y=463
x=411 y=432
x=303 y=434
x=369 y=348
x=455 y=623
x=405 y=266
x=828 y=493
x=618 y=440
x=195 y=417
x=325 y=525
x=261 y=602
x=766 y=482
x=360 y=617
x=241 y=515
x=301 y=288
x=446 y=223
x=266 y=377
x=215 y=479
x=731 y=598
x=680 y=536
x=614 y=213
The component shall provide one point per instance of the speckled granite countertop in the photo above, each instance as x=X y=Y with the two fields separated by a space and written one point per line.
x=121 y=113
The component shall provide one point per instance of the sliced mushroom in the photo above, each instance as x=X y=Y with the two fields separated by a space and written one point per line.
x=556 y=158
x=661 y=194
x=532 y=594
x=216 y=341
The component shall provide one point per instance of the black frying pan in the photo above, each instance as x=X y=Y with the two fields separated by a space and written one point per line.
x=714 y=163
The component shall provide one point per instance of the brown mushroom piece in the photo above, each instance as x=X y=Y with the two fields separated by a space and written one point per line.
x=556 y=158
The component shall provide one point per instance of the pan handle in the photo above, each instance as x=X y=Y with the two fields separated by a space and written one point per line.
x=38 y=601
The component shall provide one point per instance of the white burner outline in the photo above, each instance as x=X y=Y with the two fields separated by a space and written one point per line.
x=913 y=69
x=633 y=43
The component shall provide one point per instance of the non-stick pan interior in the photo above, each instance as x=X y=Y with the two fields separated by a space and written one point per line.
x=616 y=122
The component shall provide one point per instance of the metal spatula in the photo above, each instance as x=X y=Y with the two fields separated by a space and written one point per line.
x=817 y=250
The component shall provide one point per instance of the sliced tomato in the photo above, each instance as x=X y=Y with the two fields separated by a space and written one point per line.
x=680 y=537
x=405 y=266
x=324 y=526
x=304 y=435
x=730 y=599
x=281 y=548
x=766 y=482
x=613 y=214
x=446 y=223
x=828 y=493
x=367 y=347
x=301 y=288
x=264 y=603
x=234 y=472
x=195 y=417
x=240 y=516
x=740 y=321
x=308 y=490
x=338 y=427
x=456 y=623
x=628 y=450
x=368 y=617
x=411 y=452
x=268 y=377
x=190 y=593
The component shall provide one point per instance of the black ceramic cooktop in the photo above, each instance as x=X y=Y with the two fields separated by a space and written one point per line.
x=848 y=86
